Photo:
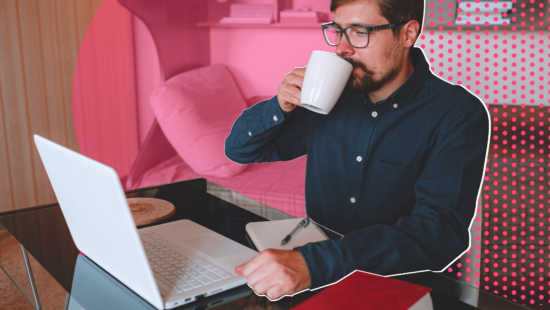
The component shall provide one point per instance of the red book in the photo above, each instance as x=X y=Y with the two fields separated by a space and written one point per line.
x=363 y=290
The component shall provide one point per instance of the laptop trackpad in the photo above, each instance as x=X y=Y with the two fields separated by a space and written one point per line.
x=212 y=246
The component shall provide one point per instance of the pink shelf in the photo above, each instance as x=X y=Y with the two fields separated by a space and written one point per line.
x=318 y=26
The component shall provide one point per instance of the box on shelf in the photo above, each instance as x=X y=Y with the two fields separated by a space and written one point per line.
x=482 y=21
x=249 y=14
x=250 y=10
x=479 y=18
x=480 y=14
x=246 y=20
x=302 y=17
x=485 y=6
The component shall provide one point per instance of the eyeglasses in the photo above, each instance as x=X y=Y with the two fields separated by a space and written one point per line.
x=357 y=36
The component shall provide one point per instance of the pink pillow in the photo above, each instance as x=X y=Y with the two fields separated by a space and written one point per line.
x=196 y=110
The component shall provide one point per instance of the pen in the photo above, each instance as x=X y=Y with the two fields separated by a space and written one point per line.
x=303 y=223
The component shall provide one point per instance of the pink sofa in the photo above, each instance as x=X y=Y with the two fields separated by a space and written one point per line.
x=173 y=25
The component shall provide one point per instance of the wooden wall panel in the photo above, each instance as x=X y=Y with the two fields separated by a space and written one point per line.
x=12 y=78
x=6 y=189
x=35 y=109
x=39 y=42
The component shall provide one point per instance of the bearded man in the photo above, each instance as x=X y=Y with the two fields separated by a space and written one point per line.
x=396 y=167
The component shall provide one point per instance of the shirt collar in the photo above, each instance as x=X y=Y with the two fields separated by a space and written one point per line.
x=411 y=86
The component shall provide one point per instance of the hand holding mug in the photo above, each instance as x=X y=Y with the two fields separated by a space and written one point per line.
x=290 y=92
x=326 y=77
x=317 y=90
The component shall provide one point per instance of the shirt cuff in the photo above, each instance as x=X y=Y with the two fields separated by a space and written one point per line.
x=324 y=262
x=287 y=113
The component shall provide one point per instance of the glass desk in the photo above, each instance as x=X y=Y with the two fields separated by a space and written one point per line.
x=43 y=232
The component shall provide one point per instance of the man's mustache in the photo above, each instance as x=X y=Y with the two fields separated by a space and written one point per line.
x=357 y=64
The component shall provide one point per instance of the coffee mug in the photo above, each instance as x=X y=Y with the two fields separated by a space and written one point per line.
x=325 y=79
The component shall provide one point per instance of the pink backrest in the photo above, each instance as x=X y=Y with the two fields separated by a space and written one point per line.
x=181 y=45
x=155 y=149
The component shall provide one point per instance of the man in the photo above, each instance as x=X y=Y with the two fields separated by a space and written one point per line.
x=396 y=166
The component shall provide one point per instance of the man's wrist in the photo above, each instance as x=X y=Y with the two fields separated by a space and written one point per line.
x=308 y=283
x=309 y=268
x=284 y=112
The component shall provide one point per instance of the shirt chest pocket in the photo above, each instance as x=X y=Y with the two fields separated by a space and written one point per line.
x=392 y=172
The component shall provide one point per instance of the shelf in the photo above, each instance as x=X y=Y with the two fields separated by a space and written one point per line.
x=274 y=25
x=512 y=27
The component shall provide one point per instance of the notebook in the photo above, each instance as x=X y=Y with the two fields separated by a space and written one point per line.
x=363 y=290
x=269 y=234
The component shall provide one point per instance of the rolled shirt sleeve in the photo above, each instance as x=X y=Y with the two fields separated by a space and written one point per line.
x=437 y=230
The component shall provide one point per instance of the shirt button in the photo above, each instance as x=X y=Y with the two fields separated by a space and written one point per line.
x=250 y=134
x=352 y=200
x=275 y=118
x=374 y=114
x=359 y=158
x=395 y=105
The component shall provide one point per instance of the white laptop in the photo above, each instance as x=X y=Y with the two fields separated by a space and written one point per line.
x=168 y=265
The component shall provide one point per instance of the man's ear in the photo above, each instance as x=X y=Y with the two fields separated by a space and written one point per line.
x=409 y=31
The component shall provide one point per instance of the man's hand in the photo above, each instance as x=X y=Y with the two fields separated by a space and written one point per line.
x=290 y=89
x=276 y=273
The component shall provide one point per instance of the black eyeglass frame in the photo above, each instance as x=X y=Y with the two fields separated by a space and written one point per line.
x=344 y=31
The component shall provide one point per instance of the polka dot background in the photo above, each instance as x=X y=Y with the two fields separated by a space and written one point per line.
x=508 y=68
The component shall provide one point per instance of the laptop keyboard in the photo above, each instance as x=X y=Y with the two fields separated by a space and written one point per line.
x=176 y=270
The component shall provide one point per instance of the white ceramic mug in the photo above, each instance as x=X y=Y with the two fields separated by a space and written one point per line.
x=325 y=79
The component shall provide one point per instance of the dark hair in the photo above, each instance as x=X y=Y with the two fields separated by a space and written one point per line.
x=394 y=11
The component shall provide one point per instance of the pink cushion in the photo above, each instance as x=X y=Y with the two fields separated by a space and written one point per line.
x=196 y=110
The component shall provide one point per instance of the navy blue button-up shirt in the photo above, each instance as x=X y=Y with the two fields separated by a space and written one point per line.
x=399 y=178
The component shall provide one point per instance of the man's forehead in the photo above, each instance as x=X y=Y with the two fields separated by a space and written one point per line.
x=359 y=13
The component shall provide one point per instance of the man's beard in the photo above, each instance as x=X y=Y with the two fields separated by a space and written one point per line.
x=366 y=83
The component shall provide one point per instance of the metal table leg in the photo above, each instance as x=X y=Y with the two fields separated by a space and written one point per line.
x=31 y=278
x=17 y=286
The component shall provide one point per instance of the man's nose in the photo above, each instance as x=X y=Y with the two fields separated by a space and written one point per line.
x=343 y=49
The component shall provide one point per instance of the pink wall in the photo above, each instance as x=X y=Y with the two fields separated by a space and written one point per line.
x=260 y=57
x=104 y=93
x=316 y=5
